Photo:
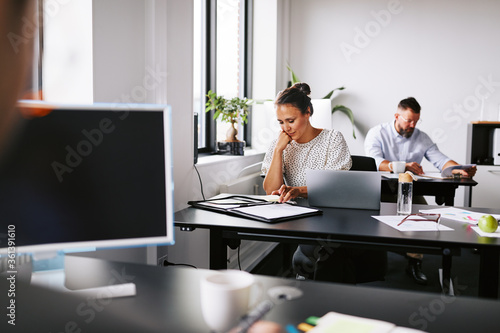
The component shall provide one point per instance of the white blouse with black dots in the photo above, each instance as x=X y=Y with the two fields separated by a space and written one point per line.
x=327 y=151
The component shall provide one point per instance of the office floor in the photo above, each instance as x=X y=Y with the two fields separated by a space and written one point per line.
x=465 y=270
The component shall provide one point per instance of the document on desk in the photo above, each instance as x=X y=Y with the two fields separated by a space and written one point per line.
x=495 y=234
x=394 y=221
x=275 y=212
x=262 y=208
x=435 y=175
x=457 y=214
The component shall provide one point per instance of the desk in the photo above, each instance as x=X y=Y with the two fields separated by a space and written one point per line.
x=442 y=189
x=352 y=227
x=167 y=300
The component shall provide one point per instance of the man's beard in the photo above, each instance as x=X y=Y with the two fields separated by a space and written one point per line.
x=407 y=132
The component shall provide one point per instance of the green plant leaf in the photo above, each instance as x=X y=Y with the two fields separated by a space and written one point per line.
x=349 y=114
x=329 y=95
x=295 y=78
x=229 y=110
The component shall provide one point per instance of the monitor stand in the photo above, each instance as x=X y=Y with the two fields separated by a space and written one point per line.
x=48 y=272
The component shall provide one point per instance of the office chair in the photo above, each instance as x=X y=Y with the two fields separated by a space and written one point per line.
x=363 y=163
x=339 y=264
x=250 y=169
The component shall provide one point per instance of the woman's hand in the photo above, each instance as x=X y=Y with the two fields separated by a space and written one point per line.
x=287 y=193
x=283 y=141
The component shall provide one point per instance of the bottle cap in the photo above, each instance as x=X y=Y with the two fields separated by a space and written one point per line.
x=405 y=178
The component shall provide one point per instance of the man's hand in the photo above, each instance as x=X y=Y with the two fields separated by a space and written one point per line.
x=415 y=168
x=467 y=173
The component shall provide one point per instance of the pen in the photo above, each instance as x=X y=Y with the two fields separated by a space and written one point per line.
x=253 y=316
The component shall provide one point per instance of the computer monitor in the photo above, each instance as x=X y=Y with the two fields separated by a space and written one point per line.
x=88 y=177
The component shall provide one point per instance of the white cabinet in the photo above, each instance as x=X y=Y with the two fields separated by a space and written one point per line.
x=487 y=191
x=480 y=151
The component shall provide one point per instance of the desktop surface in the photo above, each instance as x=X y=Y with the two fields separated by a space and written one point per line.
x=167 y=300
x=356 y=228
x=343 y=224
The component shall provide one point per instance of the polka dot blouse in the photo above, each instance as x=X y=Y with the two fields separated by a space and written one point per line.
x=327 y=151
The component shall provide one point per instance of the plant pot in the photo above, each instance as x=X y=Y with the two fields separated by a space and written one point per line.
x=232 y=148
x=231 y=134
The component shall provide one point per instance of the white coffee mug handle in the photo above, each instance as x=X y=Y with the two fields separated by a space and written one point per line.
x=258 y=295
x=390 y=167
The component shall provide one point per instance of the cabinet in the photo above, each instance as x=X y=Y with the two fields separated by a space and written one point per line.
x=480 y=151
x=487 y=191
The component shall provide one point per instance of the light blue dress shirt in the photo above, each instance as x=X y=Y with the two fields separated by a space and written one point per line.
x=383 y=142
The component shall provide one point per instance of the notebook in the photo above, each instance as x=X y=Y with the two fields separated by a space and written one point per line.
x=344 y=189
x=262 y=208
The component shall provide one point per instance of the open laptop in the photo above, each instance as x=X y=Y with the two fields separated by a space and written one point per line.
x=344 y=189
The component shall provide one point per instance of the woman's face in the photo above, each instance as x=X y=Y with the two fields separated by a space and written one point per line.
x=292 y=121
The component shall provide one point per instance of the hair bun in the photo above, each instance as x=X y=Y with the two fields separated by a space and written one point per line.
x=303 y=87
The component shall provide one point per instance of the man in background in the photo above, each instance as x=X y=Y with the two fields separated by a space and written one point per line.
x=400 y=140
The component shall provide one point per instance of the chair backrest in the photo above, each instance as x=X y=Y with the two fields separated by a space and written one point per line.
x=363 y=163
x=251 y=169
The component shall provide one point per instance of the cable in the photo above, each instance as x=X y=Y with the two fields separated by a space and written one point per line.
x=168 y=263
x=239 y=263
x=201 y=183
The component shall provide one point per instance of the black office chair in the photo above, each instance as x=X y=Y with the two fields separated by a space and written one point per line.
x=363 y=163
x=342 y=264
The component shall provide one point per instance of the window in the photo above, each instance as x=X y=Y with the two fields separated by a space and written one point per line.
x=67 y=52
x=221 y=62
x=236 y=54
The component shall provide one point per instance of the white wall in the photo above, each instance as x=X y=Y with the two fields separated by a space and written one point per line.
x=440 y=52
x=119 y=50
x=443 y=53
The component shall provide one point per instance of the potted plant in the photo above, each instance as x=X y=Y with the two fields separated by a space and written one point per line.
x=330 y=96
x=231 y=111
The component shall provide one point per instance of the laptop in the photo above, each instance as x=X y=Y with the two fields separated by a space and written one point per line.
x=344 y=189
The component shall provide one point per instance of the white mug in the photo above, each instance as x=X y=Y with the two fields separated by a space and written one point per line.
x=398 y=166
x=225 y=298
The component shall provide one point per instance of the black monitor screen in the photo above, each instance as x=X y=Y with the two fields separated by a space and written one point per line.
x=94 y=176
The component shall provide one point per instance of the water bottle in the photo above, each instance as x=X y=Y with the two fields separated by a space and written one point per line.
x=405 y=194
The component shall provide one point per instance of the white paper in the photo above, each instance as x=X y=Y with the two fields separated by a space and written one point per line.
x=495 y=234
x=426 y=175
x=339 y=322
x=394 y=220
x=457 y=214
x=274 y=210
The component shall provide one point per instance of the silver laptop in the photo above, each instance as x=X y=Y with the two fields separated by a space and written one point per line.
x=344 y=189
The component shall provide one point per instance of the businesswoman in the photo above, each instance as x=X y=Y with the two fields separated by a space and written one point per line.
x=300 y=146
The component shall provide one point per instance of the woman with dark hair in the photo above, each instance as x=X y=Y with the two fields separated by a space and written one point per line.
x=300 y=146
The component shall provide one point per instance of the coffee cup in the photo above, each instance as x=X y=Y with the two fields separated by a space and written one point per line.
x=225 y=297
x=398 y=166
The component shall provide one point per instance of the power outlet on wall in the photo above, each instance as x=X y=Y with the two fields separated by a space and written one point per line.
x=163 y=260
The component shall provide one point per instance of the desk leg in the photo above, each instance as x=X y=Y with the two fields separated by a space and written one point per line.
x=218 y=250
x=447 y=256
x=488 y=273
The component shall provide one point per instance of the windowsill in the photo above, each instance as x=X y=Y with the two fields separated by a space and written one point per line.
x=204 y=159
